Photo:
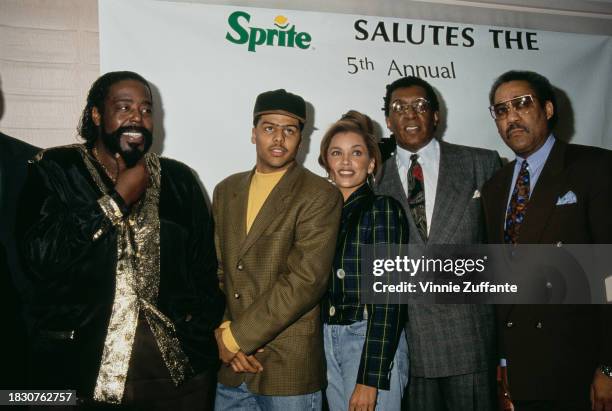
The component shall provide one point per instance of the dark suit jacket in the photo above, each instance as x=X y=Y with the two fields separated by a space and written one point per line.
x=445 y=339
x=275 y=276
x=552 y=351
x=14 y=155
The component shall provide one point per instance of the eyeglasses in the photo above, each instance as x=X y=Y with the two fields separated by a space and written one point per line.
x=288 y=130
x=520 y=104
x=419 y=106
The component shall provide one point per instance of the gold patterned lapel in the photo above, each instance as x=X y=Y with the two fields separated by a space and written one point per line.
x=137 y=280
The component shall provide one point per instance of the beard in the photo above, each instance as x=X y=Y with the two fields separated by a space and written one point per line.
x=133 y=154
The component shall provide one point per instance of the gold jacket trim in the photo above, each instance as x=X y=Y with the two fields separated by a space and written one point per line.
x=136 y=288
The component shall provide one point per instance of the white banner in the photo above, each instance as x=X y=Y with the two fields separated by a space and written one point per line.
x=208 y=64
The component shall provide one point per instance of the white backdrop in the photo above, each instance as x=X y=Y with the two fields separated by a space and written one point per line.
x=207 y=84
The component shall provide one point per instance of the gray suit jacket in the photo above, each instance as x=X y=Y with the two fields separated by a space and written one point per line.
x=450 y=339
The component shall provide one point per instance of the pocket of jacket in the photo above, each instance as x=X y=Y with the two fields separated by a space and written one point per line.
x=358 y=328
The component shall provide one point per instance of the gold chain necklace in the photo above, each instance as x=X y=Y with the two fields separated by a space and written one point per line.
x=97 y=157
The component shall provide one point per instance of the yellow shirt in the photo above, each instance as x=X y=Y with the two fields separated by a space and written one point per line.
x=259 y=190
x=261 y=186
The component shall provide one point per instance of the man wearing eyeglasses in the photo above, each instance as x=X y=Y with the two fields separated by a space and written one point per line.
x=553 y=193
x=275 y=232
x=452 y=357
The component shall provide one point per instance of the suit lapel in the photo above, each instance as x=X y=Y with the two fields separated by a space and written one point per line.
x=544 y=197
x=391 y=185
x=272 y=207
x=454 y=190
x=237 y=208
x=499 y=200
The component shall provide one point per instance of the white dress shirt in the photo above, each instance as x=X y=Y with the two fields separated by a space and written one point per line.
x=429 y=159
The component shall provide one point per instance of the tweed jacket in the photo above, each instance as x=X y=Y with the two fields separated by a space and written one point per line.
x=445 y=339
x=553 y=350
x=275 y=276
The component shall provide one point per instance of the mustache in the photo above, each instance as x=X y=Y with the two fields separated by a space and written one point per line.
x=515 y=126
x=134 y=129
x=132 y=155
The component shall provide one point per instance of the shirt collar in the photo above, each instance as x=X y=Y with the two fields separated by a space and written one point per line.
x=426 y=153
x=538 y=158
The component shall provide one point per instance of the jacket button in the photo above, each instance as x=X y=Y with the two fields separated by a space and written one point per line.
x=340 y=273
x=236 y=296
x=548 y=284
x=332 y=311
x=539 y=324
x=240 y=267
x=188 y=318
x=509 y=324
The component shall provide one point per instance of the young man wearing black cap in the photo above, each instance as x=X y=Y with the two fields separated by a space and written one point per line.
x=275 y=231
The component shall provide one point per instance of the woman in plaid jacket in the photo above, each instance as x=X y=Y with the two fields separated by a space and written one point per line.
x=365 y=346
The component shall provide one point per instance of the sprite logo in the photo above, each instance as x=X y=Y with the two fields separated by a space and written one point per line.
x=282 y=35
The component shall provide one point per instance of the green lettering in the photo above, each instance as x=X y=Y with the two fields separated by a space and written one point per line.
x=303 y=40
x=271 y=34
x=282 y=38
x=241 y=33
x=233 y=21
x=291 y=37
x=257 y=37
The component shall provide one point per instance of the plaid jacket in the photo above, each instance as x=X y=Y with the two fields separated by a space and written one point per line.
x=366 y=219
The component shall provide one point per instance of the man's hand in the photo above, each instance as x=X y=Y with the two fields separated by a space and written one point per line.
x=601 y=392
x=225 y=355
x=131 y=182
x=246 y=363
x=363 y=398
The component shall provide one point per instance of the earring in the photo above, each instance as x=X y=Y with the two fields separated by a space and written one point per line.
x=371 y=180
x=331 y=181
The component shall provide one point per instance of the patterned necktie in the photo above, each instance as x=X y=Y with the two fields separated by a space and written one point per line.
x=518 y=205
x=416 y=195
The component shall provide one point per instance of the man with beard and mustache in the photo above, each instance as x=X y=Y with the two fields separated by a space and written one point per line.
x=275 y=231
x=452 y=359
x=553 y=193
x=118 y=244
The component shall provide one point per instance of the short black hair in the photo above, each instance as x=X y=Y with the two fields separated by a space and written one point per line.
x=95 y=98
x=542 y=88
x=411 y=81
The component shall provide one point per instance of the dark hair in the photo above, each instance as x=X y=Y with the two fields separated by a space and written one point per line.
x=541 y=87
x=411 y=81
x=95 y=98
x=356 y=122
x=257 y=117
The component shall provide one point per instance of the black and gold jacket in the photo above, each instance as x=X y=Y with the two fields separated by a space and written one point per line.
x=94 y=270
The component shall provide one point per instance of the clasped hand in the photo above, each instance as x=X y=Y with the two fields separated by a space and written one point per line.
x=240 y=362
